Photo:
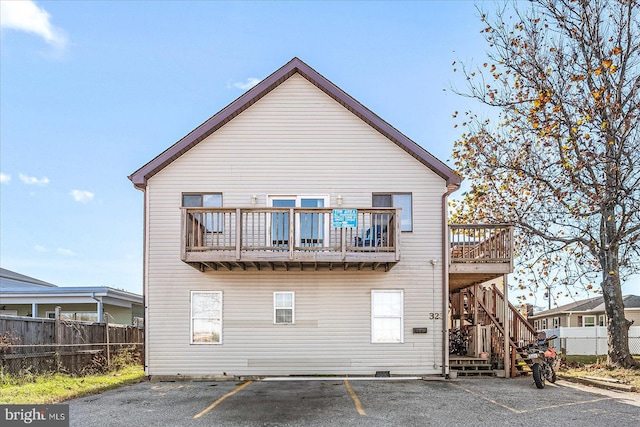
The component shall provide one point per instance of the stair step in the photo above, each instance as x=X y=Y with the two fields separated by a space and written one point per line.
x=477 y=373
x=468 y=368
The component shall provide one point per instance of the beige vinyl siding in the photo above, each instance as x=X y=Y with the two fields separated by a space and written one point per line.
x=294 y=141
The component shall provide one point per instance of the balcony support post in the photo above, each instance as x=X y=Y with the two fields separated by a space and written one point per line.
x=507 y=328
x=238 y=233
x=183 y=237
x=292 y=236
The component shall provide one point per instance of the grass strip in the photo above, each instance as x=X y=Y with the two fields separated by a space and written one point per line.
x=55 y=388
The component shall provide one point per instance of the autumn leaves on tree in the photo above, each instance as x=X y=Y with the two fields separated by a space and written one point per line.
x=562 y=159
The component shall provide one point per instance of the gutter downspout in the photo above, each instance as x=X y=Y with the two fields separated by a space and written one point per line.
x=445 y=279
x=99 y=308
x=145 y=280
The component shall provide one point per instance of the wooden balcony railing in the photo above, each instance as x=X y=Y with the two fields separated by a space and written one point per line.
x=244 y=238
x=481 y=243
x=479 y=253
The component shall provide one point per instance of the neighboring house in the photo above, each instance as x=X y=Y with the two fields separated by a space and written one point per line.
x=585 y=313
x=22 y=295
x=295 y=232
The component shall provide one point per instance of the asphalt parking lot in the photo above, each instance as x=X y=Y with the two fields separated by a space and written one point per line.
x=339 y=402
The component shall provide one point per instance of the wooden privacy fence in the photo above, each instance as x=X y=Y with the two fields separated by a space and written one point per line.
x=38 y=345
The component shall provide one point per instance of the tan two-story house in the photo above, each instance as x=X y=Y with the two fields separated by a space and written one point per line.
x=295 y=232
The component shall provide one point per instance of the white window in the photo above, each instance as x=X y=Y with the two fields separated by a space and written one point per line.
x=70 y=315
x=283 y=308
x=396 y=200
x=536 y=324
x=387 y=323
x=206 y=317
x=588 y=321
x=556 y=322
x=544 y=324
x=601 y=320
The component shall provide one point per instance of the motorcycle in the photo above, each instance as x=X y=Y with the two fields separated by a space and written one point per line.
x=542 y=359
x=458 y=342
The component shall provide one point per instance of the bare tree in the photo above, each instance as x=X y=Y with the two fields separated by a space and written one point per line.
x=562 y=161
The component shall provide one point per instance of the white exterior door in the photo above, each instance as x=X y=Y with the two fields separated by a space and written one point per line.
x=311 y=228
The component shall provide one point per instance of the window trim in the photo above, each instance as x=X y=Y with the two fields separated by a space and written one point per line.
x=396 y=193
x=401 y=316
x=292 y=308
x=191 y=318
x=556 y=322
x=297 y=201
x=72 y=315
x=216 y=220
x=584 y=321
x=200 y=193
x=602 y=320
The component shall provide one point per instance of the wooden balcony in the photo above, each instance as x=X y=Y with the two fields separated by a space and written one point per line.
x=479 y=253
x=289 y=238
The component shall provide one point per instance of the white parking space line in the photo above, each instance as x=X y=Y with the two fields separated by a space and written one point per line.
x=518 y=411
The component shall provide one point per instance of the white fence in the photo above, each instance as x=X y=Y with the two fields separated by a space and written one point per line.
x=590 y=341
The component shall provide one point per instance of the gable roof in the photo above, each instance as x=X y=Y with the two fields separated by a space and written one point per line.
x=11 y=279
x=140 y=177
x=595 y=304
x=14 y=284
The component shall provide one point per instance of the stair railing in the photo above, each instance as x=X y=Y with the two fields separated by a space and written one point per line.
x=491 y=304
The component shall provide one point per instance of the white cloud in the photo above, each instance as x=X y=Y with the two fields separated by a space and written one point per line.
x=65 y=252
x=40 y=248
x=27 y=16
x=4 y=178
x=32 y=180
x=81 y=195
x=251 y=82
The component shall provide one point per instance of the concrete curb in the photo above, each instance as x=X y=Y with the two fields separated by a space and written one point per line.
x=600 y=383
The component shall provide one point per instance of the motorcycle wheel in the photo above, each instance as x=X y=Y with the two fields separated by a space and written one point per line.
x=538 y=375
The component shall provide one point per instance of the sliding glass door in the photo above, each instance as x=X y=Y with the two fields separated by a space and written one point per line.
x=310 y=227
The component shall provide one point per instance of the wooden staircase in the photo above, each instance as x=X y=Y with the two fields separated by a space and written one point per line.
x=478 y=305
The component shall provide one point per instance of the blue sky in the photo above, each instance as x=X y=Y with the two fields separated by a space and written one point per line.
x=92 y=90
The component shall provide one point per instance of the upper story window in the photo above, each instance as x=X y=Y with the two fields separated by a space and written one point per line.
x=396 y=200
x=209 y=200
x=556 y=322
x=212 y=222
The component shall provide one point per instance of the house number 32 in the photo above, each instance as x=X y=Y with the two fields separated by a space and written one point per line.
x=435 y=316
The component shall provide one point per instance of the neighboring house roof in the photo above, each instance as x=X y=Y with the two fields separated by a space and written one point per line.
x=140 y=177
x=595 y=304
x=12 y=280
x=14 y=285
